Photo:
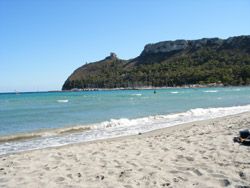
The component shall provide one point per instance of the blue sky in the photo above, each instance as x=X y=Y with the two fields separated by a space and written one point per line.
x=43 y=41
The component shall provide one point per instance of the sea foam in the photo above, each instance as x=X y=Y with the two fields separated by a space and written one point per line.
x=137 y=94
x=121 y=127
x=211 y=91
x=63 y=101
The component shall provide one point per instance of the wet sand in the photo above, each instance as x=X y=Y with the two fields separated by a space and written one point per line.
x=198 y=154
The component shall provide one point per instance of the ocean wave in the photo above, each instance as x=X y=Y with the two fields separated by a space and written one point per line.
x=18 y=137
x=238 y=89
x=63 y=101
x=116 y=128
x=137 y=94
x=44 y=133
x=171 y=119
x=211 y=91
x=174 y=92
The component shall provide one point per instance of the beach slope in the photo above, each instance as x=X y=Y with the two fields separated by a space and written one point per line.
x=199 y=154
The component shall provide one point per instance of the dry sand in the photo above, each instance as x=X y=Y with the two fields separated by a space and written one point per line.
x=200 y=154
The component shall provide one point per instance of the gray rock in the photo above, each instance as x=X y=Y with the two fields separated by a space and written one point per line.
x=166 y=46
x=169 y=46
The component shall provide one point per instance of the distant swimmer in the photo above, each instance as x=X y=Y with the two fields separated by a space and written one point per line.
x=154 y=92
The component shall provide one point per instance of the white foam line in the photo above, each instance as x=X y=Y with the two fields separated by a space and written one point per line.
x=211 y=91
x=137 y=94
x=123 y=127
x=63 y=101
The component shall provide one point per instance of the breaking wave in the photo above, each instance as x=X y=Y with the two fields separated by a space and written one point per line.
x=111 y=129
x=211 y=91
x=137 y=94
x=63 y=101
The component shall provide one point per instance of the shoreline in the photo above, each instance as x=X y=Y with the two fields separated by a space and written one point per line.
x=149 y=87
x=167 y=130
x=196 y=154
x=114 y=128
x=142 y=135
x=128 y=88
x=44 y=133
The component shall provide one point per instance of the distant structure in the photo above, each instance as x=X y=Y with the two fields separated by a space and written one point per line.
x=113 y=55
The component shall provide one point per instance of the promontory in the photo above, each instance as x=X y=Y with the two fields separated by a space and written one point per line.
x=170 y=63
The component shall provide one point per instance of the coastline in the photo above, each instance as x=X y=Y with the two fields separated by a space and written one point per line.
x=47 y=138
x=196 y=154
x=43 y=133
x=211 y=85
x=130 y=88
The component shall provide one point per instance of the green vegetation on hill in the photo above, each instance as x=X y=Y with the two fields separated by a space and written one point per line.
x=171 y=63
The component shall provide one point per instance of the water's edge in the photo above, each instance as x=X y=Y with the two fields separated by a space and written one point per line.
x=110 y=129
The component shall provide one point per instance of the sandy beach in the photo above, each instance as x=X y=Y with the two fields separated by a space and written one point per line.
x=199 y=154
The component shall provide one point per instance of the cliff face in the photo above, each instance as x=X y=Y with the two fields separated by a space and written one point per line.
x=241 y=42
x=166 y=64
x=168 y=50
x=164 y=47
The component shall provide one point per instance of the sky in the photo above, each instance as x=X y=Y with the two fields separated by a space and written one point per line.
x=43 y=41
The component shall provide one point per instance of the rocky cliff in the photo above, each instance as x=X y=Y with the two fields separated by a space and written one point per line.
x=171 y=63
x=241 y=42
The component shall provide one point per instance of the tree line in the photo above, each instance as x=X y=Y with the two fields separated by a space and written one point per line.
x=201 y=67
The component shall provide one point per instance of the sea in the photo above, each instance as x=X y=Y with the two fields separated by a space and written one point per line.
x=30 y=121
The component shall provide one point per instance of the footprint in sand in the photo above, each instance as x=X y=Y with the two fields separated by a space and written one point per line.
x=179 y=156
x=139 y=153
x=190 y=158
x=70 y=176
x=202 y=151
x=165 y=184
x=46 y=168
x=174 y=171
x=100 y=177
x=218 y=175
x=60 y=179
x=125 y=173
x=165 y=149
x=128 y=186
x=242 y=175
x=225 y=182
x=133 y=164
x=110 y=172
x=94 y=153
x=79 y=175
x=156 y=167
x=120 y=147
x=181 y=148
x=179 y=178
x=197 y=172
x=118 y=164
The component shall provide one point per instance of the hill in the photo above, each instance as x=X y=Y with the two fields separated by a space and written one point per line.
x=171 y=63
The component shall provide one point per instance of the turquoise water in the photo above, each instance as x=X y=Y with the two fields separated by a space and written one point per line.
x=28 y=112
